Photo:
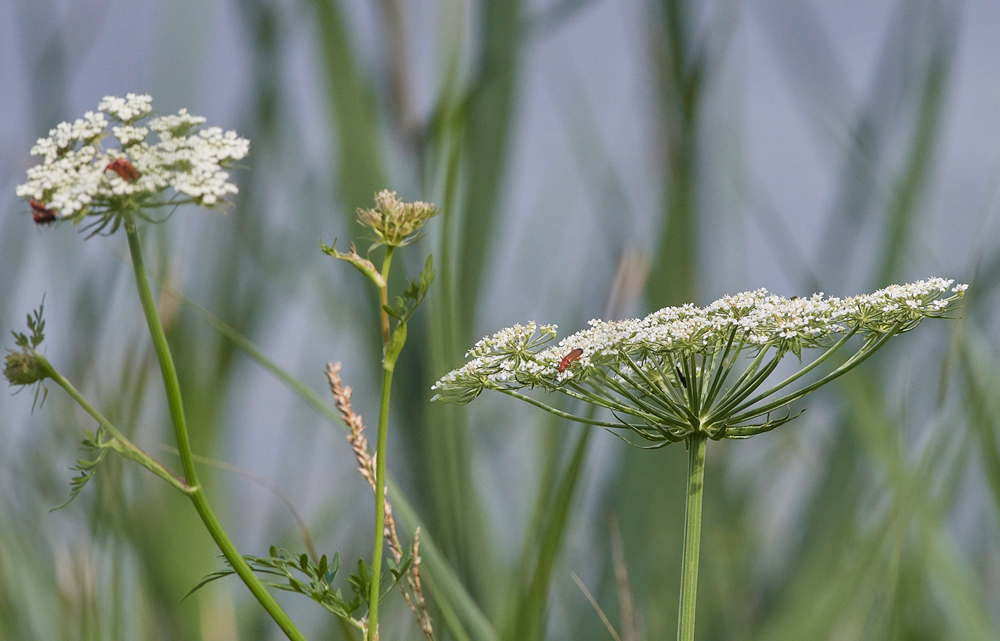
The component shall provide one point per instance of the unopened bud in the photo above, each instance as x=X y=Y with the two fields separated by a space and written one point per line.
x=396 y=223
x=24 y=368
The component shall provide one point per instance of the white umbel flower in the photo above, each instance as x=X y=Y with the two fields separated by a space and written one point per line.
x=128 y=109
x=81 y=175
x=696 y=369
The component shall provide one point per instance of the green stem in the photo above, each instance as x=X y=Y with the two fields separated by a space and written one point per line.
x=692 y=536
x=126 y=448
x=383 y=294
x=560 y=413
x=383 y=423
x=173 y=390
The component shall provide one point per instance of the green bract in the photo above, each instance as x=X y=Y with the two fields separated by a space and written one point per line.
x=688 y=370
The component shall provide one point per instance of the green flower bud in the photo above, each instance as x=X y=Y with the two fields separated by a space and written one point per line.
x=393 y=222
x=24 y=368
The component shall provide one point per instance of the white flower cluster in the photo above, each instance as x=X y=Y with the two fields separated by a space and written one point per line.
x=79 y=176
x=128 y=109
x=666 y=340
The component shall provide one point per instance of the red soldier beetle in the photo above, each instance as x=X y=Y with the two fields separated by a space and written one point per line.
x=569 y=359
x=41 y=214
x=123 y=168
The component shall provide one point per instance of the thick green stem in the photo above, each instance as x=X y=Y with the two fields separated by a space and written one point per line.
x=692 y=536
x=173 y=390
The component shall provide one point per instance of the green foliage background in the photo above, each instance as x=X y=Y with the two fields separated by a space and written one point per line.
x=874 y=516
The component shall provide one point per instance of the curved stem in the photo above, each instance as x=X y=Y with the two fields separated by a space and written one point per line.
x=692 y=536
x=174 y=401
x=560 y=413
x=737 y=387
x=663 y=398
x=694 y=384
x=856 y=359
x=799 y=374
x=743 y=390
x=639 y=408
x=580 y=393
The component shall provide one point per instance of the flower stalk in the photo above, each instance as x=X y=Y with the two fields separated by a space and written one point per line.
x=692 y=536
x=176 y=405
x=81 y=178
x=388 y=366
x=414 y=595
x=392 y=223
x=383 y=295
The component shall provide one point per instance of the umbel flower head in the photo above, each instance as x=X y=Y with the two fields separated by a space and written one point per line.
x=395 y=223
x=82 y=176
x=688 y=370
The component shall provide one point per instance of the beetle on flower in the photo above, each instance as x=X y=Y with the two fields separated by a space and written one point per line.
x=677 y=371
x=693 y=373
x=81 y=177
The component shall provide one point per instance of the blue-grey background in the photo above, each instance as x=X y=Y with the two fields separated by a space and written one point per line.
x=593 y=158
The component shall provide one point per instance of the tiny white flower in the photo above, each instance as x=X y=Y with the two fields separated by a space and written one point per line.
x=131 y=107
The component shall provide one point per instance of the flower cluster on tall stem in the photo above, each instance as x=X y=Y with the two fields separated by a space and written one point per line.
x=690 y=374
x=79 y=178
x=393 y=223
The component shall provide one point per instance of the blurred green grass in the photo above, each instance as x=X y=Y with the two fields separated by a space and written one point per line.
x=874 y=542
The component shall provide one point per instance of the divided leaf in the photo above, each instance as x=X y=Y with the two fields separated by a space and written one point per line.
x=87 y=469
x=414 y=293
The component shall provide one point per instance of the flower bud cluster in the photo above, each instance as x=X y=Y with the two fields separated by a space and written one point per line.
x=24 y=368
x=677 y=349
x=393 y=222
x=80 y=176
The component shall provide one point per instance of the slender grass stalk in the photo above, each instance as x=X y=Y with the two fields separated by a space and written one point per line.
x=197 y=495
x=383 y=422
x=692 y=536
